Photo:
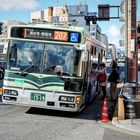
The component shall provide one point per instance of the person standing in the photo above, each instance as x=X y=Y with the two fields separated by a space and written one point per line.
x=113 y=79
x=114 y=64
x=102 y=79
x=1 y=73
x=93 y=74
x=92 y=78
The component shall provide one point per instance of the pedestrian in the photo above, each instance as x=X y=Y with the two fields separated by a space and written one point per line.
x=93 y=74
x=113 y=79
x=114 y=64
x=102 y=79
x=1 y=73
x=92 y=78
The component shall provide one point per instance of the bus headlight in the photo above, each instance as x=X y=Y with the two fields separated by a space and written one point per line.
x=66 y=98
x=78 y=99
x=10 y=92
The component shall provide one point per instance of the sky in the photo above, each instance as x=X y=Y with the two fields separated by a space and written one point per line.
x=20 y=10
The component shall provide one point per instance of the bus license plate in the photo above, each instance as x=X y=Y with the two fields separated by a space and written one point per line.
x=38 y=97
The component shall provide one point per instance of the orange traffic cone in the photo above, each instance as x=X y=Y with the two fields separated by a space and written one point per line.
x=105 y=117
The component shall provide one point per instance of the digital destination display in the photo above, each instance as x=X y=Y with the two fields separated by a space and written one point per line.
x=46 y=34
x=37 y=34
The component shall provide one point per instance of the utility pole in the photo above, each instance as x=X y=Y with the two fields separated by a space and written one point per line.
x=130 y=41
x=126 y=40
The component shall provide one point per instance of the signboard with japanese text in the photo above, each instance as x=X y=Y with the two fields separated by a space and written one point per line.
x=46 y=34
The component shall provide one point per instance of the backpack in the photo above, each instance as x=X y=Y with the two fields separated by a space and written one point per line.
x=113 y=77
x=102 y=77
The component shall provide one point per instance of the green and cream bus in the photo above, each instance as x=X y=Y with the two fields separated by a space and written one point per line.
x=48 y=65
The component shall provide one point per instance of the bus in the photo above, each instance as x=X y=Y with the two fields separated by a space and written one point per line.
x=48 y=65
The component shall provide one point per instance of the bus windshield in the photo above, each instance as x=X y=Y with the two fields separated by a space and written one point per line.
x=43 y=57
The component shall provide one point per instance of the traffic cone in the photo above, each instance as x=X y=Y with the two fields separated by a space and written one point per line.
x=105 y=116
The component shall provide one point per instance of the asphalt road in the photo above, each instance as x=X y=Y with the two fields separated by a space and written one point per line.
x=20 y=123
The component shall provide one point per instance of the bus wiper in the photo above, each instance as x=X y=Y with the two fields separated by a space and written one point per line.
x=29 y=70
x=49 y=69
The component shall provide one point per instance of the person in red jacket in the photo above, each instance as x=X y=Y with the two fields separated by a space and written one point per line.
x=102 y=79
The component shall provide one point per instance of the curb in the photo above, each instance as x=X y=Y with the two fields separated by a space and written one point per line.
x=116 y=123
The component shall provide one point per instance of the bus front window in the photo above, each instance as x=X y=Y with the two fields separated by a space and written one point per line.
x=24 y=54
x=48 y=58
x=61 y=58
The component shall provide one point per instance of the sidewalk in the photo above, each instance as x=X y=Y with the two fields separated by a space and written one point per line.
x=128 y=124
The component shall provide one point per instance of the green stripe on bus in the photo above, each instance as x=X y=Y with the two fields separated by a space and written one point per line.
x=35 y=84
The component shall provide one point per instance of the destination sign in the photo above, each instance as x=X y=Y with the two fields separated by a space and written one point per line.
x=37 y=34
x=46 y=34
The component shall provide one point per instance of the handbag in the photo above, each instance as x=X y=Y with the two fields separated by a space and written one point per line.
x=102 y=77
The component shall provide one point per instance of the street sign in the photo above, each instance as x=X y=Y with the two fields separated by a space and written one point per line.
x=104 y=12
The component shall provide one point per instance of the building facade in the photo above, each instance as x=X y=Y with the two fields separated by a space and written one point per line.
x=111 y=50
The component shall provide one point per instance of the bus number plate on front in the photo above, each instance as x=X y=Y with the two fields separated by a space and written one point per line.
x=38 y=97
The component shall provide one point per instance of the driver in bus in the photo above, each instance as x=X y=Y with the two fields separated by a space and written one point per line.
x=61 y=66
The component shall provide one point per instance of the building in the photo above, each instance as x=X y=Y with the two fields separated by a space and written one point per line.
x=104 y=39
x=1 y=26
x=76 y=13
x=37 y=15
x=111 y=51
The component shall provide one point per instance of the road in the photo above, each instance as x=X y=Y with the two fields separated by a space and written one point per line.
x=20 y=123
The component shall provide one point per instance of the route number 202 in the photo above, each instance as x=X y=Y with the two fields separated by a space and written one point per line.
x=63 y=36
